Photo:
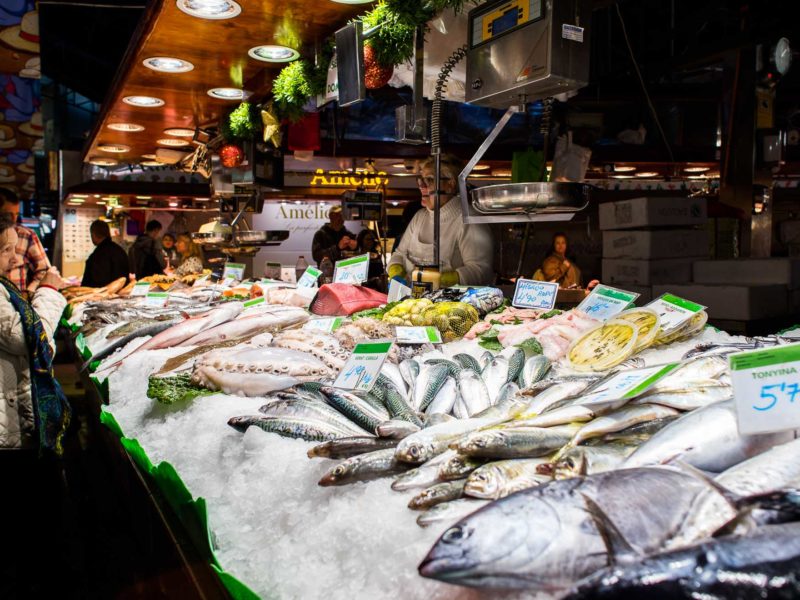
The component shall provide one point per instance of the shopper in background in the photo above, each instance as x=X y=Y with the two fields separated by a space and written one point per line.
x=145 y=255
x=107 y=261
x=191 y=258
x=332 y=239
x=368 y=244
x=171 y=257
x=33 y=263
x=557 y=267
x=465 y=251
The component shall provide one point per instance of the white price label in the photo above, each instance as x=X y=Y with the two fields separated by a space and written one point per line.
x=628 y=384
x=327 y=325
x=364 y=365
x=539 y=295
x=766 y=384
x=255 y=302
x=156 y=299
x=674 y=311
x=352 y=270
x=605 y=302
x=202 y=281
x=309 y=277
x=234 y=270
x=140 y=289
x=417 y=335
x=397 y=291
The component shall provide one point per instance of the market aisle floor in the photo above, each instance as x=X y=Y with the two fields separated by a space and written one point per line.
x=85 y=548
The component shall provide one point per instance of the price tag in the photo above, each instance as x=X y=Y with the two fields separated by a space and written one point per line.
x=397 y=291
x=309 y=277
x=674 y=311
x=140 y=289
x=254 y=302
x=328 y=325
x=273 y=283
x=604 y=302
x=202 y=281
x=246 y=284
x=628 y=384
x=234 y=270
x=156 y=299
x=766 y=388
x=417 y=335
x=362 y=368
x=539 y=295
x=352 y=270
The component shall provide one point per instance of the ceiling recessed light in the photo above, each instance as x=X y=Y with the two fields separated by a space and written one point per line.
x=696 y=169
x=697 y=177
x=149 y=156
x=76 y=196
x=473 y=175
x=226 y=93
x=99 y=161
x=115 y=148
x=166 y=64
x=647 y=174
x=77 y=200
x=622 y=176
x=150 y=163
x=404 y=174
x=481 y=167
x=125 y=127
x=144 y=101
x=180 y=132
x=501 y=172
x=623 y=168
x=275 y=54
x=352 y=1
x=173 y=204
x=399 y=165
x=210 y=9
x=144 y=197
x=100 y=202
x=174 y=142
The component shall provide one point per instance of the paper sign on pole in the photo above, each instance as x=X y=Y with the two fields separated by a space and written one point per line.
x=605 y=302
x=352 y=270
x=766 y=388
x=540 y=295
x=362 y=368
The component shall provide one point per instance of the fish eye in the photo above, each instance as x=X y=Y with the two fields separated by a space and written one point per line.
x=338 y=471
x=454 y=535
x=413 y=451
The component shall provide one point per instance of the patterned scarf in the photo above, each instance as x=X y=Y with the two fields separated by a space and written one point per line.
x=51 y=410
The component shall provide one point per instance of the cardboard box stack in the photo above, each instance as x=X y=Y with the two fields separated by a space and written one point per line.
x=649 y=242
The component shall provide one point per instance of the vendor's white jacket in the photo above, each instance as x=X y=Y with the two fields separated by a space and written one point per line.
x=466 y=249
x=17 y=427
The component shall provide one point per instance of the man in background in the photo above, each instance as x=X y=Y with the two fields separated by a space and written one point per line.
x=332 y=239
x=108 y=261
x=34 y=264
x=145 y=255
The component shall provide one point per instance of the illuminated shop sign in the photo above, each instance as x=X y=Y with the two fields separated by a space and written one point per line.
x=348 y=179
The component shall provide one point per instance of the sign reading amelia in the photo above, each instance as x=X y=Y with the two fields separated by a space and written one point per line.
x=348 y=178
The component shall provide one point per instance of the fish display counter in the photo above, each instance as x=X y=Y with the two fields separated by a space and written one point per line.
x=546 y=452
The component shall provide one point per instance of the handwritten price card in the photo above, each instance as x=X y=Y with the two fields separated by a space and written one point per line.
x=540 y=295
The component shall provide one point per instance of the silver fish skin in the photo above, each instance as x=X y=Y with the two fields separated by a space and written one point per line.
x=561 y=416
x=543 y=539
x=773 y=470
x=589 y=460
x=495 y=375
x=460 y=409
x=458 y=467
x=499 y=479
x=516 y=361
x=346 y=447
x=424 y=475
x=445 y=399
x=392 y=371
x=688 y=398
x=450 y=512
x=473 y=392
x=152 y=328
x=245 y=325
x=430 y=381
x=438 y=493
x=722 y=446
x=467 y=361
x=425 y=444
x=437 y=418
x=485 y=360
x=508 y=393
x=294 y=427
x=534 y=369
x=363 y=467
x=516 y=442
x=310 y=409
x=396 y=429
x=409 y=369
x=621 y=419
x=704 y=367
x=554 y=394
x=354 y=408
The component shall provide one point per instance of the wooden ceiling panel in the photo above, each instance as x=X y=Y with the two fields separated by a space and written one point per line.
x=218 y=50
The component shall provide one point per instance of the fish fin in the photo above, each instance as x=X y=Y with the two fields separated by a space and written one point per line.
x=619 y=550
x=732 y=497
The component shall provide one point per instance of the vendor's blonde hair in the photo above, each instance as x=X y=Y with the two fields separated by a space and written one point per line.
x=451 y=166
x=192 y=248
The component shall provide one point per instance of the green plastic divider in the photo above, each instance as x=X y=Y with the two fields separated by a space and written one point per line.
x=792 y=328
x=236 y=588
x=102 y=388
x=80 y=344
x=107 y=419
x=138 y=455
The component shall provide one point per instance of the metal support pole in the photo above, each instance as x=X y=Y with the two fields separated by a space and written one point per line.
x=437 y=159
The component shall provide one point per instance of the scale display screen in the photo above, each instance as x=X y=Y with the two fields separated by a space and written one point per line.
x=502 y=17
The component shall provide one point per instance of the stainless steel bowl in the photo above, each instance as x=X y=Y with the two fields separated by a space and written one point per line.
x=545 y=197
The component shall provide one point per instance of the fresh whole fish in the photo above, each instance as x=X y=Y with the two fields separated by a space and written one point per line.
x=467 y=361
x=688 y=398
x=485 y=360
x=759 y=565
x=430 y=381
x=312 y=410
x=516 y=361
x=153 y=329
x=621 y=419
x=346 y=447
x=707 y=438
x=453 y=367
x=354 y=408
x=637 y=434
x=449 y=512
x=424 y=475
x=437 y=418
x=495 y=375
x=446 y=398
x=697 y=369
x=238 y=328
x=409 y=369
x=364 y=467
x=473 y=392
x=392 y=372
x=183 y=361
x=394 y=401
x=458 y=466
x=427 y=443
x=396 y=429
x=543 y=539
x=556 y=393
x=722 y=350
x=588 y=460
x=438 y=493
x=534 y=369
x=499 y=479
x=516 y=442
x=508 y=393
x=293 y=427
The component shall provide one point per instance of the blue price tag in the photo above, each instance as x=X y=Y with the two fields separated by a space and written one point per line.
x=540 y=295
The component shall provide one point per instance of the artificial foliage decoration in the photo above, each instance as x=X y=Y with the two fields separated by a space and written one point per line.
x=242 y=123
x=292 y=89
x=394 y=41
x=375 y=75
x=231 y=155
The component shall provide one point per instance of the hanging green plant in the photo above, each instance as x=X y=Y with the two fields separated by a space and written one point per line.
x=394 y=41
x=292 y=89
x=242 y=123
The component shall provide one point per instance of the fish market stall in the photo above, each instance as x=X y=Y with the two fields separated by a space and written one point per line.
x=547 y=418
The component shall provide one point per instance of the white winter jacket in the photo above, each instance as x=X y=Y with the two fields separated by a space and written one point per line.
x=17 y=429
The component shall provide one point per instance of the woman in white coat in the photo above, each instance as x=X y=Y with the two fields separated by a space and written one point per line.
x=465 y=251
x=34 y=413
